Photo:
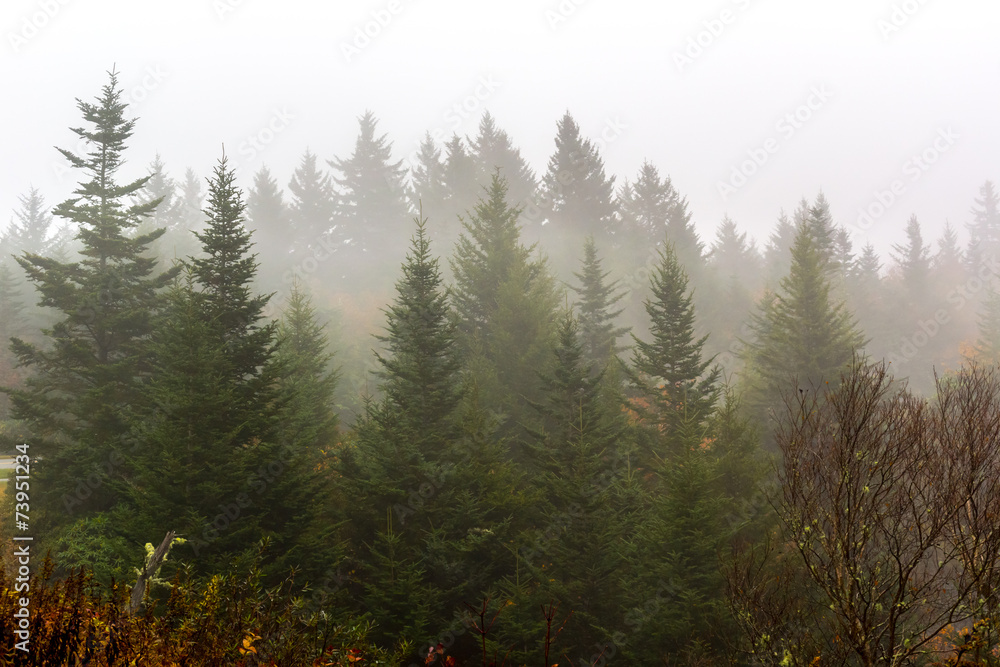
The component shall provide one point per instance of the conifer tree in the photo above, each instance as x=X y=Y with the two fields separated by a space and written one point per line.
x=803 y=332
x=598 y=333
x=578 y=196
x=504 y=301
x=84 y=383
x=29 y=228
x=778 y=252
x=493 y=149
x=669 y=368
x=578 y=458
x=403 y=437
x=268 y=218
x=311 y=207
x=984 y=230
x=308 y=381
x=914 y=261
x=427 y=190
x=988 y=344
x=163 y=190
x=651 y=207
x=372 y=192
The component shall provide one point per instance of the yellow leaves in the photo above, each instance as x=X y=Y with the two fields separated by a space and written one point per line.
x=248 y=646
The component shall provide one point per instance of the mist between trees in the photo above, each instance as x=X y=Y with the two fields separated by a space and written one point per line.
x=486 y=414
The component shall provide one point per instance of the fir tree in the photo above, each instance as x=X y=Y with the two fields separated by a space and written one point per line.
x=372 y=199
x=578 y=196
x=268 y=218
x=427 y=190
x=504 y=301
x=914 y=261
x=650 y=207
x=802 y=333
x=86 y=380
x=778 y=252
x=311 y=208
x=984 y=230
x=578 y=457
x=669 y=368
x=598 y=333
x=162 y=190
x=493 y=149
x=29 y=228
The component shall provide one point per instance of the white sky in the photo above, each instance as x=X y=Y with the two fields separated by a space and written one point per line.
x=225 y=68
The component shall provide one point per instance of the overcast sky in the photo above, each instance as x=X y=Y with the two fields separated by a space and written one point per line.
x=748 y=105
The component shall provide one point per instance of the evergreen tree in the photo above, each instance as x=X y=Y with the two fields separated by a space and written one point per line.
x=578 y=457
x=191 y=201
x=268 y=219
x=984 y=230
x=308 y=381
x=460 y=180
x=778 y=253
x=427 y=191
x=311 y=208
x=914 y=261
x=403 y=437
x=802 y=332
x=578 y=196
x=493 y=149
x=86 y=380
x=372 y=199
x=504 y=301
x=819 y=222
x=598 y=333
x=161 y=190
x=12 y=324
x=651 y=206
x=669 y=368
x=29 y=228
x=736 y=274
x=988 y=345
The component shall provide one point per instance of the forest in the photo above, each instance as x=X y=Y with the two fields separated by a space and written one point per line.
x=453 y=411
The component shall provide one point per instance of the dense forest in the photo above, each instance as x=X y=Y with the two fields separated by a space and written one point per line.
x=456 y=411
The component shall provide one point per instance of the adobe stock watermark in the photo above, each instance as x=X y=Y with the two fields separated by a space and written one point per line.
x=712 y=29
x=786 y=126
x=558 y=14
x=900 y=14
x=367 y=32
x=957 y=298
x=255 y=143
x=223 y=8
x=31 y=25
x=913 y=170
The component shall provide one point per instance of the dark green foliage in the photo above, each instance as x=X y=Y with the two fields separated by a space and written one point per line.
x=87 y=377
x=577 y=456
x=598 y=333
x=669 y=368
x=504 y=301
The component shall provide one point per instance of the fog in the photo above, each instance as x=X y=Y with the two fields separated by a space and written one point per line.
x=695 y=103
x=657 y=332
